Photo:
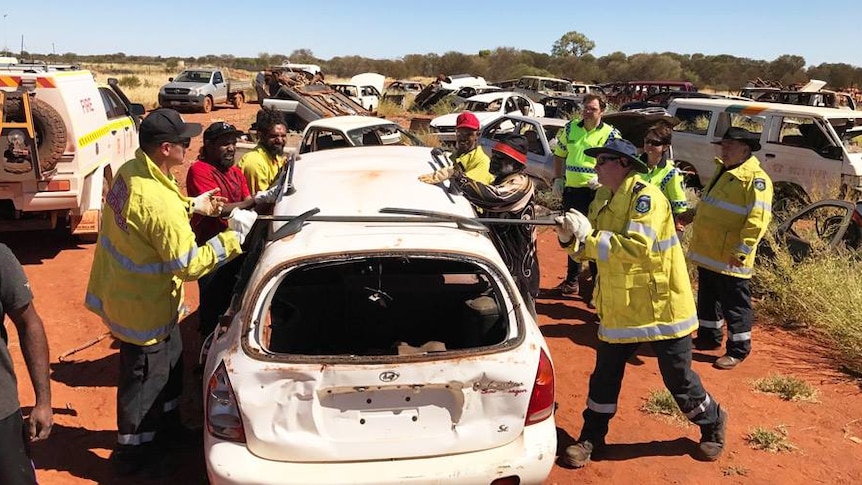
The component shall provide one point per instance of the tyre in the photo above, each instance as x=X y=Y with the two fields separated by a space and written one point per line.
x=238 y=100
x=50 y=130
x=208 y=105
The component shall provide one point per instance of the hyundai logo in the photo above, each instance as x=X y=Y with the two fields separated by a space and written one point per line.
x=389 y=376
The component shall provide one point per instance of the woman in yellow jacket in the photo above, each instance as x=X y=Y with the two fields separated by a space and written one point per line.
x=643 y=295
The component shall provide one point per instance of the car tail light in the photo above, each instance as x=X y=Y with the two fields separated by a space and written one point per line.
x=542 y=400
x=222 y=409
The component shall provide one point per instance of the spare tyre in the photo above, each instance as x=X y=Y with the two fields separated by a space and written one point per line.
x=50 y=129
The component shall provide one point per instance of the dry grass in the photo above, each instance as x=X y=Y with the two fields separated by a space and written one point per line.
x=788 y=388
x=772 y=440
x=661 y=402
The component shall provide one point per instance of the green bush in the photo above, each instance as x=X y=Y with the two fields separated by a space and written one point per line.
x=132 y=81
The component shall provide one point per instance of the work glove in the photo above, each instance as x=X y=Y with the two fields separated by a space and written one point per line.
x=208 y=204
x=266 y=196
x=437 y=176
x=240 y=221
x=594 y=184
x=558 y=186
x=572 y=226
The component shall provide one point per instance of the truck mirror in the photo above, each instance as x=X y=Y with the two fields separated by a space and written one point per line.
x=170 y=79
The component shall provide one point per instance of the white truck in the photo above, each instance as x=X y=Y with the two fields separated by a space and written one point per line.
x=201 y=89
x=809 y=152
x=59 y=156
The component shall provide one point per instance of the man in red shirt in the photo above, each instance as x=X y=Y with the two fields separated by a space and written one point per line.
x=215 y=169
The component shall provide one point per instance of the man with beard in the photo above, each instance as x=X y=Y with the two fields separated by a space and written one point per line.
x=509 y=196
x=215 y=169
x=261 y=165
x=467 y=150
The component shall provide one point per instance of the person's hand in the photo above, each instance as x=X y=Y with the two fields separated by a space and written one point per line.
x=572 y=225
x=240 y=221
x=735 y=262
x=594 y=184
x=437 y=176
x=208 y=204
x=266 y=196
x=685 y=218
x=41 y=421
x=559 y=185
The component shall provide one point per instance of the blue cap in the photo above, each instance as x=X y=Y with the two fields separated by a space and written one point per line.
x=621 y=148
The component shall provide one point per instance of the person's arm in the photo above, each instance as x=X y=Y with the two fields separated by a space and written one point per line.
x=34 y=346
x=634 y=243
x=493 y=198
x=759 y=201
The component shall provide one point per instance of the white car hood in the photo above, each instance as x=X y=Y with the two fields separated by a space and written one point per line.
x=450 y=119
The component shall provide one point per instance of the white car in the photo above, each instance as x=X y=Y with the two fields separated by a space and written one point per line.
x=376 y=347
x=488 y=108
x=364 y=88
x=351 y=131
x=541 y=134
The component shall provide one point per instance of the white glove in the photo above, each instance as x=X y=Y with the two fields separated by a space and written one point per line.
x=594 y=183
x=438 y=176
x=208 y=204
x=558 y=186
x=240 y=221
x=266 y=196
x=572 y=226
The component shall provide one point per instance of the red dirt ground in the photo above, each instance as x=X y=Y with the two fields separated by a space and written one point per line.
x=643 y=448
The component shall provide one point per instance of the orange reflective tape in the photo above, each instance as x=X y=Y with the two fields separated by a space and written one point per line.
x=9 y=82
x=45 y=82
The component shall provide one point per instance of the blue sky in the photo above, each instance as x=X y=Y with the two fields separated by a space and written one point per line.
x=759 y=29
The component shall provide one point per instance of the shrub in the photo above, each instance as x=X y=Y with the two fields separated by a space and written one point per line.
x=132 y=81
x=661 y=402
x=788 y=388
x=774 y=441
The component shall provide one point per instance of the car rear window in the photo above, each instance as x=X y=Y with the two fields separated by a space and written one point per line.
x=394 y=305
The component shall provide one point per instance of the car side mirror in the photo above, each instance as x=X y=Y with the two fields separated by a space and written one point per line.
x=170 y=79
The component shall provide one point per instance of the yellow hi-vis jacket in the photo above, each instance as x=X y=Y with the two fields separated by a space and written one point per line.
x=146 y=249
x=572 y=140
x=643 y=293
x=732 y=216
x=260 y=169
x=477 y=165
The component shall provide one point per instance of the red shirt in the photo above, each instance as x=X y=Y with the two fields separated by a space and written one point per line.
x=203 y=177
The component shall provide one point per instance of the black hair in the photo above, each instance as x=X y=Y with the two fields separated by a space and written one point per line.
x=267 y=118
x=603 y=103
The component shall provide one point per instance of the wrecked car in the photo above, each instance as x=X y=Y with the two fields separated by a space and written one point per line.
x=363 y=88
x=376 y=338
x=304 y=103
x=402 y=92
x=824 y=225
x=487 y=107
x=444 y=86
x=537 y=87
x=353 y=131
x=541 y=134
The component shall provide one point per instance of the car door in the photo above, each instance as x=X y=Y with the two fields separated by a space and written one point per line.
x=220 y=88
x=540 y=159
x=120 y=128
x=800 y=150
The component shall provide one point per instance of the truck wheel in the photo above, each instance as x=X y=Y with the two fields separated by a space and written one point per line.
x=208 y=105
x=238 y=100
x=50 y=130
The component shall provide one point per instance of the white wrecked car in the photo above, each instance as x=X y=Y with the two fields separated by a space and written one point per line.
x=376 y=347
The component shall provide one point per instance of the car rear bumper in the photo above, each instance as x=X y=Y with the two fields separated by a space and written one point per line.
x=530 y=457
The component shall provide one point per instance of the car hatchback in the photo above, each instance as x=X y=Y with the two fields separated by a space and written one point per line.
x=382 y=340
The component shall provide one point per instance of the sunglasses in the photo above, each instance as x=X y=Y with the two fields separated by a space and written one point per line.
x=602 y=159
x=655 y=143
x=185 y=142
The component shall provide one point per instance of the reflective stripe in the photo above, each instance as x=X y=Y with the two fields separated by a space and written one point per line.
x=218 y=247
x=744 y=248
x=579 y=169
x=171 y=405
x=136 y=439
x=679 y=203
x=604 y=245
x=649 y=333
x=667 y=178
x=641 y=229
x=661 y=246
x=694 y=412
x=721 y=204
x=710 y=323
x=166 y=267
x=740 y=337
x=740 y=270
x=762 y=204
x=125 y=333
x=601 y=408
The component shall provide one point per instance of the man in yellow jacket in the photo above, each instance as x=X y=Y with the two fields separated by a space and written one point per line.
x=261 y=165
x=643 y=295
x=145 y=251
x=471 y=156
x=733 y=214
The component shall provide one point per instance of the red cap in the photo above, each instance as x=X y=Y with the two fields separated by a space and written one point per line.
x=467 y=120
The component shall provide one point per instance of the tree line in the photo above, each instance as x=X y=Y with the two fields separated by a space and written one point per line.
x=568 y=59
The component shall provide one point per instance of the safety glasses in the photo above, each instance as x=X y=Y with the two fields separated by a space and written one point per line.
x=655 y=143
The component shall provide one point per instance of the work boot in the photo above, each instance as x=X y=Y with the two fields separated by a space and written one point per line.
x=706 y=344
x=726 y=362
x=578 y=454
x=712 y=437
x=128 y=460
x=567 y=288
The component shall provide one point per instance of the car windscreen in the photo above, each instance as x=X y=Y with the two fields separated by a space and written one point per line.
x=193 y=77
x=391 y=134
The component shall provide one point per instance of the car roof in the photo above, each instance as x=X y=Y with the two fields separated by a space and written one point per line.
x=755 y=107
x=367 y=179
x=350 y=122
x=542 y=120
x=485 y=97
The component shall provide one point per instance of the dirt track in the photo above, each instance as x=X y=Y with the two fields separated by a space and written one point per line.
x=643 y=449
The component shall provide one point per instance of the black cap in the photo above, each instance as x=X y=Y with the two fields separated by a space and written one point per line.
x=514 y=147
x=220 y=128
x=165 y=124
x=742 y=135
x=621 y=148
